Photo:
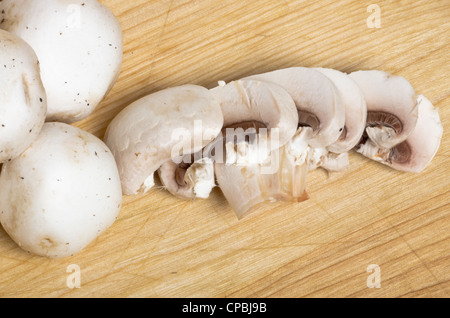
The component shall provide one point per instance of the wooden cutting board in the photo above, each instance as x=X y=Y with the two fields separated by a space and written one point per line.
x=366 y=221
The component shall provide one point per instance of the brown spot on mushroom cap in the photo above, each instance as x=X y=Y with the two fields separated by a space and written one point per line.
x=26 y=89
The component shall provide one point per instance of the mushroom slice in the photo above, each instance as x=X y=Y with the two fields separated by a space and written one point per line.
x=317 y=99
x=323 y=112
x=258 y=109
x=355 y=111
x=417 y=151
x=161 y=127
x=79 y=46
x=391 y=107
x=23 y=101
x=259 y=118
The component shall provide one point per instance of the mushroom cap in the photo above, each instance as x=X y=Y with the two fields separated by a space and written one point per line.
x=418 y=150
x=315 y=97
x=79 y=46
x=23 y=102
x=61 y=193
x=355 y=110
x=425 y=139
x=247 y=101
x=160 y=127
x=391 y=106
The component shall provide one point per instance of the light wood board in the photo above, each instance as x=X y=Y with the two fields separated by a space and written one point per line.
x=161 y=246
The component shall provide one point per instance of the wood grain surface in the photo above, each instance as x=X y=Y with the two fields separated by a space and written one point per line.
x=161 y=246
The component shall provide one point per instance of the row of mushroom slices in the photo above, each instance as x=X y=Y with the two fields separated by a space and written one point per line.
x=59 y=185
x=257 y=137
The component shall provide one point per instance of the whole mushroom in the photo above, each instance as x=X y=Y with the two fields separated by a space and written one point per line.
x=61 y=193
x=23 y=101
x=79 y=46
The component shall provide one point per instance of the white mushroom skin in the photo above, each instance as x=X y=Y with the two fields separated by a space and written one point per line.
x=266 y=114
x=61 y=193
x=320 y=106
x=253 y=102
x=418 y=150
x=391 y=106
x=317 y=100
x=23 y=102
x=79 y=46
x=160 y=127
x=355 y=110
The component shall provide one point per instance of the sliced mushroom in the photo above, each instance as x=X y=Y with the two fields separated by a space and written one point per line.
x=323 y=112
x=355 y=110
x=317 y=99
x=79 y=46
x=391 y=107
x=23 y=101
x=259 y=118
x=417 y=151
x=162 y=127
x=264 y=108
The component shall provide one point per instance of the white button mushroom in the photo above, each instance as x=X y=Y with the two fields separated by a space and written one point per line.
x=391 y=106
x=61 y=193
x=416 y=152
x=165 y=126
x=79 y=46
x=317 y=99
x=355 y=110
x=23 y=101
x=320 y=108
x=259 y=119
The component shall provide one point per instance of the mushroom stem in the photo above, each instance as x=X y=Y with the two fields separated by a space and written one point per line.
x=280 y=179
x=188 y=180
